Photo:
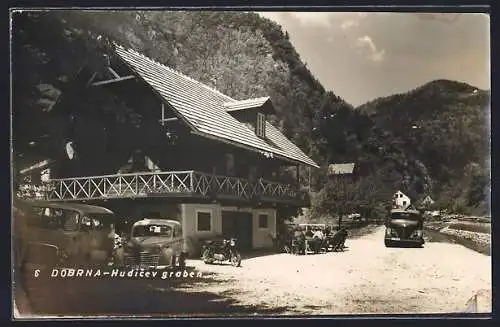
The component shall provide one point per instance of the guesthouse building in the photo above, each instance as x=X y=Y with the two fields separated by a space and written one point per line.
x=214 y=163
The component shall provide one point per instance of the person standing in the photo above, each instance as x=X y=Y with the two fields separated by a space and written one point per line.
x=115 y=248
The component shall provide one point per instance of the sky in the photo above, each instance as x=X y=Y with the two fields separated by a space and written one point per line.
x=363 y=56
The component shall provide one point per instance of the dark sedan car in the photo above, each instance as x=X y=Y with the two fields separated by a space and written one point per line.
x=155 y=243
x=404 y=227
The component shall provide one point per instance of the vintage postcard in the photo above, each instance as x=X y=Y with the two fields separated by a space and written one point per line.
x=207 y=163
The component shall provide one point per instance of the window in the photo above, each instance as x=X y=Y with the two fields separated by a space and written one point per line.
x=152 y=230
x=203 y=221
x=56 y=219
x=260 y=129
x=404 y=203
x=263 y=220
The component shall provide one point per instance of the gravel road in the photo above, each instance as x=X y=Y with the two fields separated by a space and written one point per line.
x=367 y=278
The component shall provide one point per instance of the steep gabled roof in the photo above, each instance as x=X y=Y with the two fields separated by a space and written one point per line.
x=202 y=109
x=264 y=103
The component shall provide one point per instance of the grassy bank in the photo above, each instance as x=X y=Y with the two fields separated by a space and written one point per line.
x=473 y=235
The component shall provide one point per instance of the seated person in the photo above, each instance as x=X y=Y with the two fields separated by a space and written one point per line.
x=318 y=234
x=299 y=238
x=344 y=234
x=339 y=238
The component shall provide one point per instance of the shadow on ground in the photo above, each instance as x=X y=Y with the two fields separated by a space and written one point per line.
x=363 y=230
x=136 y=296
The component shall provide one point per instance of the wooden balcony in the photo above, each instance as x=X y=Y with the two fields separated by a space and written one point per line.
x=187 y=184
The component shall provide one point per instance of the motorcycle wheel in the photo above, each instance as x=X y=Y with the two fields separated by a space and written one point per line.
x=236 y=260
x=206 y=257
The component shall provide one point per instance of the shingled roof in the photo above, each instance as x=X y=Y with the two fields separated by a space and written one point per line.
x=205 y=110
x=261 y=103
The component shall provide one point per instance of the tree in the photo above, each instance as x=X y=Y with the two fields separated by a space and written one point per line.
x=339 y=197
x=478 y=190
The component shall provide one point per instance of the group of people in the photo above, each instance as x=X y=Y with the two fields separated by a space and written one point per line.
x=315 y=238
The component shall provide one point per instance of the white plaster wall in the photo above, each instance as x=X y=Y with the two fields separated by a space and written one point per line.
x=399 y=200
x=167 y=211
x=189 y=221
x=262 y=236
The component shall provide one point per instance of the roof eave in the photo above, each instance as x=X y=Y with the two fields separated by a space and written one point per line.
x=156 y=93
x=212 y=137
x=266 y=107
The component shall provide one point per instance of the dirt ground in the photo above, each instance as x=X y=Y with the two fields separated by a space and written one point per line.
x=367 y=278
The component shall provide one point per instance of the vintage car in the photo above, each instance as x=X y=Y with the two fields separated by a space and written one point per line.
x=46 y=235
x=155 y=244
x=404 y=227
x=61 y=233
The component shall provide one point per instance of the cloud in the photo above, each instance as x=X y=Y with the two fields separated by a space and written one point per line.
x=317 y=19
x=351 y=20
x=320 y=19
x=366 y=46
x=382 y=53
x=314 y=18
x=348 y=24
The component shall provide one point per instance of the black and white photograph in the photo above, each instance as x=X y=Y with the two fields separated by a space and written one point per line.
x=252 y=162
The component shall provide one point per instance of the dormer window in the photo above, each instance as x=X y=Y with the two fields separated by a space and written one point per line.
x=260 y=128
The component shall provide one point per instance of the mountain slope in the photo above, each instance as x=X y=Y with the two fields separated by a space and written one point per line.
x=244 y=55
x=444 y=126
x=240 y=54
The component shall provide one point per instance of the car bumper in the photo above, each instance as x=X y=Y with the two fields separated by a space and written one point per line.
x=404 y=240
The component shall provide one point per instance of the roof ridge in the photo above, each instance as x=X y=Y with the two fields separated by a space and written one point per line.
x=174 y=71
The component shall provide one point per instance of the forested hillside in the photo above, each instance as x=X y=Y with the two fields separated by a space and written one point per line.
x=245 y=55
x=444 y=127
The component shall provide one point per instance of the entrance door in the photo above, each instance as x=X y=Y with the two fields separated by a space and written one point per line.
x=238 y=225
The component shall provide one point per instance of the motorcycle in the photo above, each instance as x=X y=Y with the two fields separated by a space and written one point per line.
x=221 y=250
x=336 y=242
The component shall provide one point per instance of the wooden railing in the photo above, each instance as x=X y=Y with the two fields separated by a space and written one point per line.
x=172 y=183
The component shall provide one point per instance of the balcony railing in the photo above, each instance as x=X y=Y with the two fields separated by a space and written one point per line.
x=172 y=184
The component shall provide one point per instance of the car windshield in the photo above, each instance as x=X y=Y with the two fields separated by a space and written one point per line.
x=405 y=216
x=152 y=230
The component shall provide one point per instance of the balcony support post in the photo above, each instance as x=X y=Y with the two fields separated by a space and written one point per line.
x=298 y=175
